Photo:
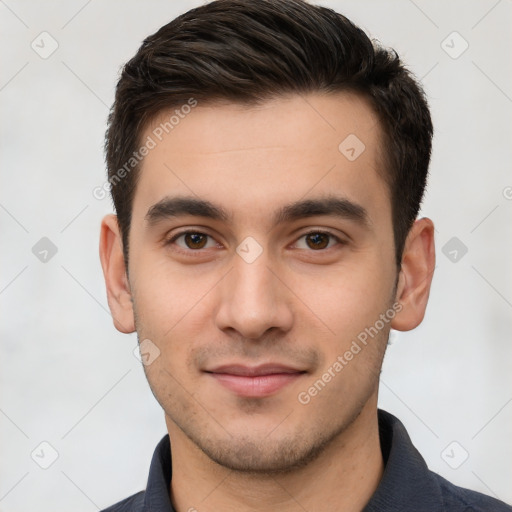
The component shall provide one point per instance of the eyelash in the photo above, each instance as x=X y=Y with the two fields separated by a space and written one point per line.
x=195 y=232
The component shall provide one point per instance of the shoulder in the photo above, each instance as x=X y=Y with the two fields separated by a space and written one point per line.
x=459 y=499
x=134 y=503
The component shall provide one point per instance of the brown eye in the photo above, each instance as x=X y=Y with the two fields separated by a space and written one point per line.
x=195 y=240
x=191 y=241
x=317 y=240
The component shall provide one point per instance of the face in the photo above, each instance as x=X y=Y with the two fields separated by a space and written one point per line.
x=261 y=254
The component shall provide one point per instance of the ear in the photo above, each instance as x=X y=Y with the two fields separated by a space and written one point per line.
x=415 y=278
x=114 y=271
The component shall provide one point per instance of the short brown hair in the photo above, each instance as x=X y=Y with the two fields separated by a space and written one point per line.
x=249 y=51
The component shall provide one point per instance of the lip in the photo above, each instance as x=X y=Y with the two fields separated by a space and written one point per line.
x=255 y=381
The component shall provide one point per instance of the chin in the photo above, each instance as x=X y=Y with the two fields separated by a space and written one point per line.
x=247 y=456
x=267 y=454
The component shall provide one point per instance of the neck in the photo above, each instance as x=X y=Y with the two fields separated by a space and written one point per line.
x=343 y=477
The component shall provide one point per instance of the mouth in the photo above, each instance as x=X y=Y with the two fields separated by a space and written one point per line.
x=255 y=381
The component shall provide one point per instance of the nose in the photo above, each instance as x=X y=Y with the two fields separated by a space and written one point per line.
x=254 y=300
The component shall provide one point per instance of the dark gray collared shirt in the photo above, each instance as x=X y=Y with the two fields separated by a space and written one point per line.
x=407 y=484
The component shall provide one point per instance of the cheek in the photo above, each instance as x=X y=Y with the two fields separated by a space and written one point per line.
x=350 y=298
x=166 y=297
x=173 y=310
x=351 y=305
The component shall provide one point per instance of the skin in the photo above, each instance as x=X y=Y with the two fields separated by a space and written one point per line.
x=295 y=304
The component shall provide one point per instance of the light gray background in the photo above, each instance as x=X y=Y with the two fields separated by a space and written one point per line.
x=70 y=379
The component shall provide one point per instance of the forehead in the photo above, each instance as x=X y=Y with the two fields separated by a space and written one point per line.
x=265 y=156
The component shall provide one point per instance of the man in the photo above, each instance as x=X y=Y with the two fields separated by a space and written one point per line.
x=267 y=163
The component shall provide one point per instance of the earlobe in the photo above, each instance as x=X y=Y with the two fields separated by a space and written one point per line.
x=114 y=271
x=415 y=278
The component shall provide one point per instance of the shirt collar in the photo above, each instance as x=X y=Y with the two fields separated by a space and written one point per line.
x=156 y=497
x=406 y=481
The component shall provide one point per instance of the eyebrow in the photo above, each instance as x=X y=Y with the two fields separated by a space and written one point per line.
x=172 y=207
